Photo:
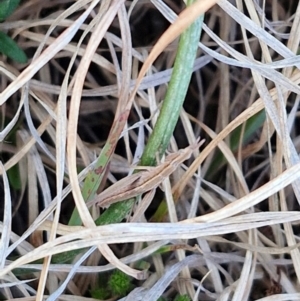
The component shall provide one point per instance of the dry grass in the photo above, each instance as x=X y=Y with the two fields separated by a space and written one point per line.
x=233 y=234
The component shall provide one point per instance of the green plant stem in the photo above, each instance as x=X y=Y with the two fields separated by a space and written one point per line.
x=164 y=127
x=176 y=93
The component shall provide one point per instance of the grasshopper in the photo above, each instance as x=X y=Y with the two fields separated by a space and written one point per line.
x=143 y=181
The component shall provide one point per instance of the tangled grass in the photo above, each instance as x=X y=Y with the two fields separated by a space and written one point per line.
x=223 y=225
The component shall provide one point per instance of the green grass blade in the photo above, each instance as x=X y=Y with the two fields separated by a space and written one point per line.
x=162 y=132
x=7 y=7
x=11 y=49
x=251 y=126
x=176 y=93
